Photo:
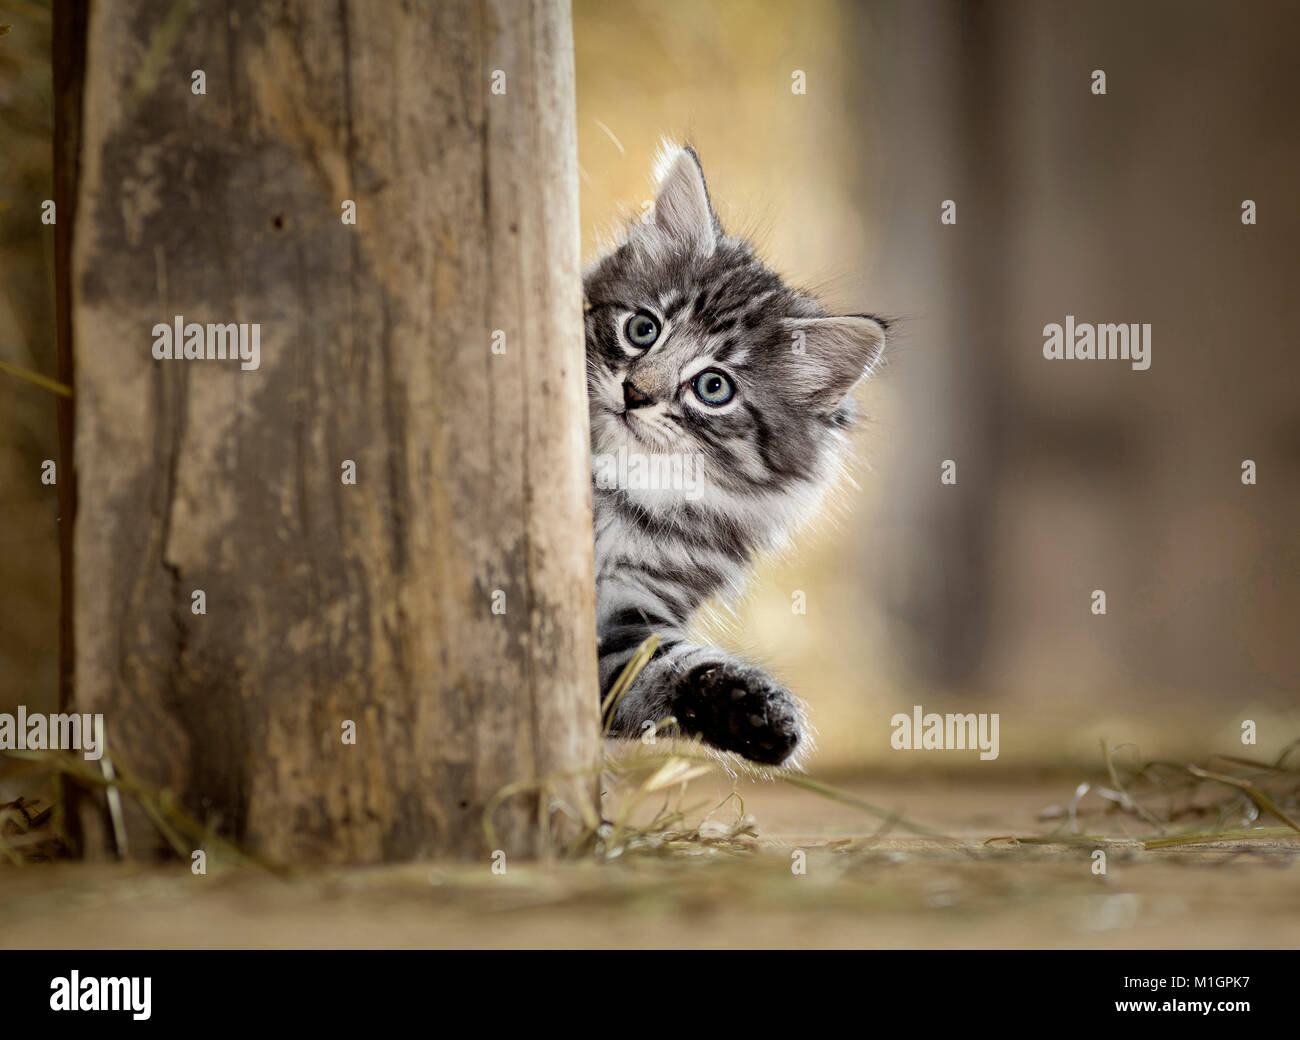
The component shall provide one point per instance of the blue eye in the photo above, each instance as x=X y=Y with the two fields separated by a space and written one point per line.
x=713 y=388
x=642 y=329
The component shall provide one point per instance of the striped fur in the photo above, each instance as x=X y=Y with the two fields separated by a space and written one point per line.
x=765 y=455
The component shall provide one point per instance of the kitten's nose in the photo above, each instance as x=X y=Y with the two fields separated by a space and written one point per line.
x=634 y=398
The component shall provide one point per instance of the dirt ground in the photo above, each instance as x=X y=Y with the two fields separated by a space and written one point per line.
x=856 y=891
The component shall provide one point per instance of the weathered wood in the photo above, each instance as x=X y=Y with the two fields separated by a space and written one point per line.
x=325 y=601
x=68 y=74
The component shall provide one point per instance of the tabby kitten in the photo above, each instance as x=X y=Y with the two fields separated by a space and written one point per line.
x=699 y=355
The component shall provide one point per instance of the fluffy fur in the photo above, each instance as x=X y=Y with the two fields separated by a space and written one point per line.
x=678 y=314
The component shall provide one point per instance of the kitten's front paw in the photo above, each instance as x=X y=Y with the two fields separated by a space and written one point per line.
x=739 y=708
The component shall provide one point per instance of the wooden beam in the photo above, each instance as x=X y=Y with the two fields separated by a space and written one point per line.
x=329 y=602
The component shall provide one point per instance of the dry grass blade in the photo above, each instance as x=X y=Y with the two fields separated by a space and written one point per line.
x=1253 y=792
x=836 y=794
x=1286 y=753
x=1251 y=763
x=1242 y=834
x=1184 y=790
x=181 y=830
x=630 y=671
x=1125 y=798
x=674 y=771
x=649 y=773
x=35 y=378
x=546 y=786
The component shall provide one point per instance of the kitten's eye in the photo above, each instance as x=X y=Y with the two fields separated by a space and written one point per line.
x=642 y=329
x=713 y=388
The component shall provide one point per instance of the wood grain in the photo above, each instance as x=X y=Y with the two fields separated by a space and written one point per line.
x=328 y=602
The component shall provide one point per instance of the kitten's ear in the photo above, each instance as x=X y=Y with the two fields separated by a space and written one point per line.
x=832 y=354
x=682 y=211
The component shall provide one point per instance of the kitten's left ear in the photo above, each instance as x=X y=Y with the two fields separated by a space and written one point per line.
x=682 y=211
x=832 y=354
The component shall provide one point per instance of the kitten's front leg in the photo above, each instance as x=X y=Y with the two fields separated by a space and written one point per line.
x=728 y=703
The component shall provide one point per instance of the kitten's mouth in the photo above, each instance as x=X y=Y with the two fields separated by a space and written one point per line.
x=641 y=431
x=646 y=434
x=633 y=431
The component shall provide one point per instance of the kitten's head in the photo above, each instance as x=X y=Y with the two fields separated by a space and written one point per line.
x=695 y=348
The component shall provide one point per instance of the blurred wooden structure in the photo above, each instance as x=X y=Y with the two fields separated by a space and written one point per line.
x=1079 y=475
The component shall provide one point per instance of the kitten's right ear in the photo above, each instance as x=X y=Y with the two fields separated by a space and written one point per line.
x=682 y=212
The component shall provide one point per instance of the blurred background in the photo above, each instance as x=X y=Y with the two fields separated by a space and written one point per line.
x=29 y=548
x=1072 y=476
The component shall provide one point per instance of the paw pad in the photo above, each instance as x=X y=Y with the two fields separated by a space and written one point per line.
x=741 y=709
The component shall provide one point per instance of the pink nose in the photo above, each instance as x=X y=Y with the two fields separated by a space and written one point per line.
x=634 y=398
